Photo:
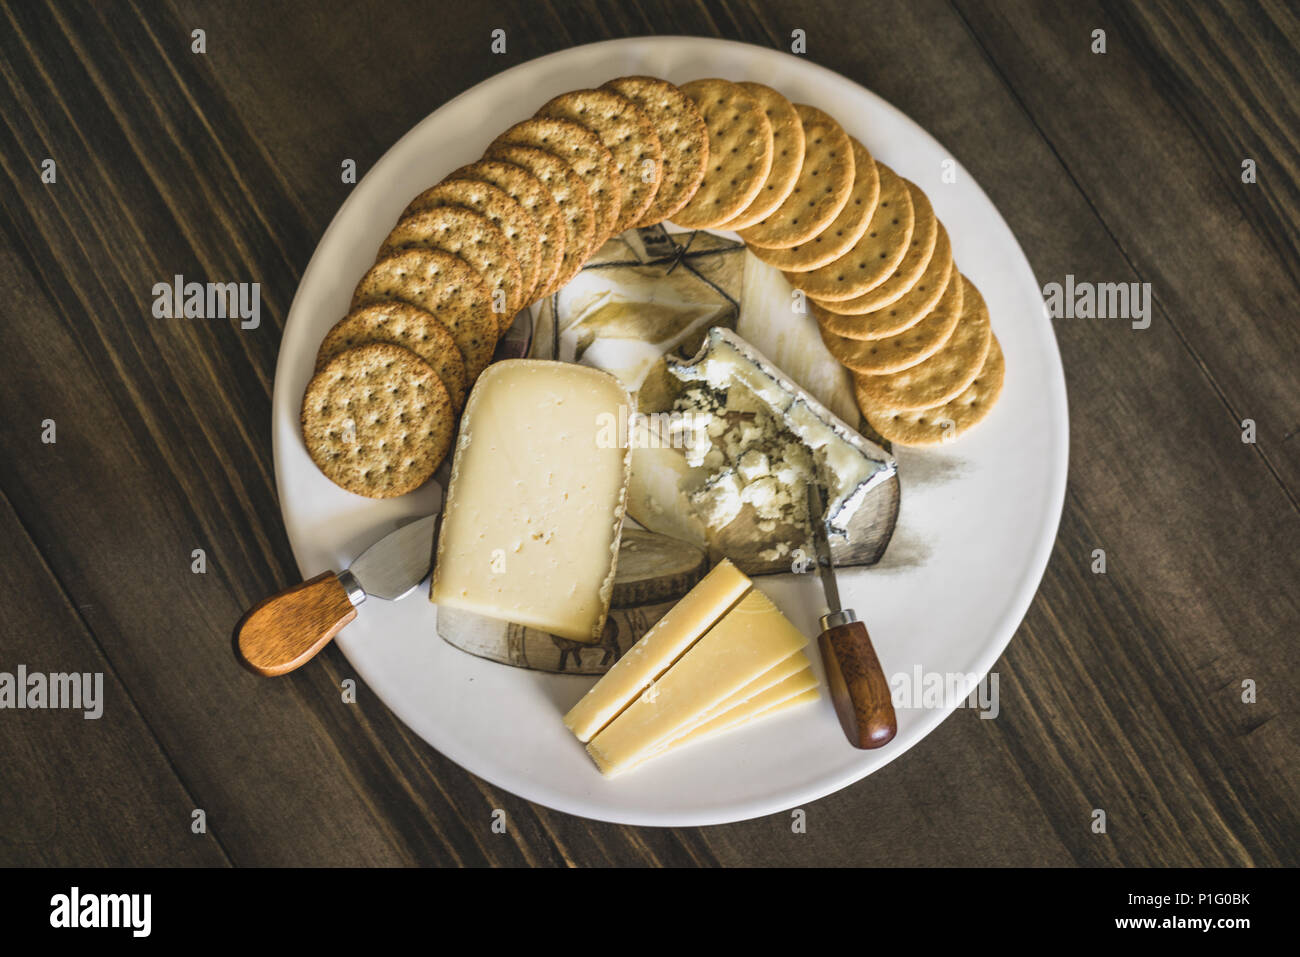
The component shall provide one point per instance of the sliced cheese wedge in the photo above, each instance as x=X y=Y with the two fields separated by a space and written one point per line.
x=658 y=648
x=801 y=686
x=793 y=689
x=772 y=676
x=750 y=639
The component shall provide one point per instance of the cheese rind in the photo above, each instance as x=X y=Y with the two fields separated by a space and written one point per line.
x=751 y=638
x=534 y=509
x=658 y=648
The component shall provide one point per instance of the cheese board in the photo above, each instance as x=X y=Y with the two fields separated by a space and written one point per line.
x=942 y=567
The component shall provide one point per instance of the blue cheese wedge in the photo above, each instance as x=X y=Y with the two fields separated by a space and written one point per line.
x=733 y=463
x=775 y=437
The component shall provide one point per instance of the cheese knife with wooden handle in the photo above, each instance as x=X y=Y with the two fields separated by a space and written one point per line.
x=287 y=630
x=857 y=683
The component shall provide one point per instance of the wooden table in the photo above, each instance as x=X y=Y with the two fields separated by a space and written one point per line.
x=1121 y=691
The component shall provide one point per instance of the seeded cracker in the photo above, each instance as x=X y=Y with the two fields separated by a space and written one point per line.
x=944 y=374
x=907 y=348
x=447 y=287
x=628 y=134
x=837 y=238
x=569 y=193
x=582 y=150
x=471 y=236
x=400 y=324
x=530 y=193
x=824 y=184
x=497 y=205
x=788 y=146
x=740 y=153
x=377 y=420
x=682 y=135
x=875 y=256
x=843 y=318
x=940 y=424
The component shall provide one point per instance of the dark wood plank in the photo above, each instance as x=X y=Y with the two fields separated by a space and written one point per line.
x=163 y=444
x=141 y=810
x=1154 y=132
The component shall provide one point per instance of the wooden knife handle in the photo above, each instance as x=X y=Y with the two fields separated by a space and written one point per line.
x=858 y=686
x=286 y=630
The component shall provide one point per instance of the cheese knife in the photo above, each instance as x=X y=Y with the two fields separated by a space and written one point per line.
x=287 y=630
x=857 y=682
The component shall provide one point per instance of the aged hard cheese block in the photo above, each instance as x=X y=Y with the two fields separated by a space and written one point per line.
x=751 y=638
x=658 y=648
x=530 y=532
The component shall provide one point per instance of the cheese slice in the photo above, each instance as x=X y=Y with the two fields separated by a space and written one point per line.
x=751 y=638
x=776 y=674
x=793 y=689
x=802 y=686
x=658 y=648
x=534 y=509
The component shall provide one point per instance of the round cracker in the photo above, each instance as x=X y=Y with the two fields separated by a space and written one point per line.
x=400 y=324
x=682 y=135
x=822 y=190
x=628 y=134
x=837 y=238
x=875 y=256
x=446 y=286
x=504 y=212
x=570 y=194
x=920 y=249
x=582 y=150
x=847 y=318
x=941 y=424
x=740 y=153
x=907 y=348
x=474 y=238
x=788 y=144
x=377 y=420
x=944 y=374
x=530 y=193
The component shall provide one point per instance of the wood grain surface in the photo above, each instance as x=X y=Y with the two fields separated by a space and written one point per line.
x=1121 y=691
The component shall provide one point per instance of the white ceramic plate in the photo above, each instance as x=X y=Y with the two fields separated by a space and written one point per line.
x=977 y=523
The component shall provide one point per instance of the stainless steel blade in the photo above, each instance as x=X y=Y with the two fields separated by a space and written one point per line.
x=398 y=562
x=822 y=546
